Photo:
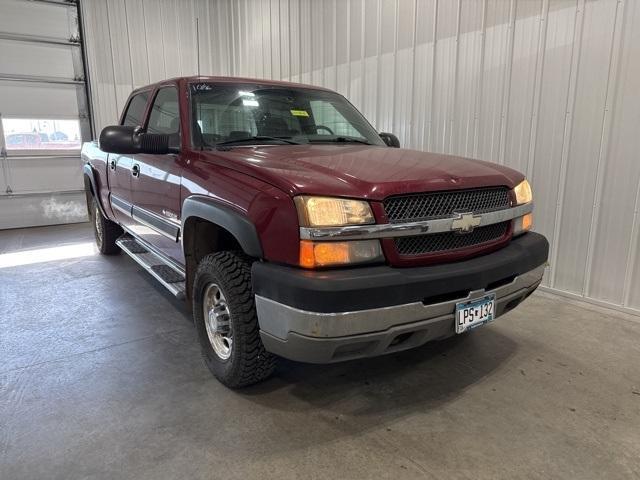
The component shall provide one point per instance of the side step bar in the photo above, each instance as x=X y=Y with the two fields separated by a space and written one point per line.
x=168 y=275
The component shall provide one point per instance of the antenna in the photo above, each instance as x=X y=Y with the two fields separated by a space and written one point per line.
x=198 y=45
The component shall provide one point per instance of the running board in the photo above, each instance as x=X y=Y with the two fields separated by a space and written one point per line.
x=168 y=275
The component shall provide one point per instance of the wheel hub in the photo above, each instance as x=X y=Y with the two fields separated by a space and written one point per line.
x=217 y=321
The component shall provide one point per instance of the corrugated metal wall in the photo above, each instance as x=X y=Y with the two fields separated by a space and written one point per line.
x=133 y=43
x=549 y=87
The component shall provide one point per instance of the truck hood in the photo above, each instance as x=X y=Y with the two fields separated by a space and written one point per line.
x=361 y=171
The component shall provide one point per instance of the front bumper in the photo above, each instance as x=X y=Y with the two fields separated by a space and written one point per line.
x=330 y=316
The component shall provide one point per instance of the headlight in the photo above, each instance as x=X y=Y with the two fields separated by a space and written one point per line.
x=523 y=195
x=332 y=212
x=328 y=254
x=523 y=192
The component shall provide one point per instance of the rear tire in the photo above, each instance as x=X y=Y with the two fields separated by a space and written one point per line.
x=225 y=316
x=105 y=231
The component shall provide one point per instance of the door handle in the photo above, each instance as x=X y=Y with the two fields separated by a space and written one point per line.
x=112 y=164
x=135 y=170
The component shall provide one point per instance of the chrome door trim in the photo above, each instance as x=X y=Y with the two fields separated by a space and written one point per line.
x=121 y=205
x=165 y=227
x=409 y=229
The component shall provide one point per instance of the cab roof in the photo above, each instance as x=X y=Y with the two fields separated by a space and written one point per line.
x=230 y=80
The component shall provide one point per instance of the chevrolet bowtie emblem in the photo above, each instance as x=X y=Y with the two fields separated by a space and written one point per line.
x=465 y=222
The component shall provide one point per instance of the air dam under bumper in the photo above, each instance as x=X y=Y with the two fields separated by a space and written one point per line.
x=336 y=315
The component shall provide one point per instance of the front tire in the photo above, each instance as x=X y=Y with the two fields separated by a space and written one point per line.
x=105 y=231
x=225 y=317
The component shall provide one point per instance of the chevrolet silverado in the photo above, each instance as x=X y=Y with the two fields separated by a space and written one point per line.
x=294 y=229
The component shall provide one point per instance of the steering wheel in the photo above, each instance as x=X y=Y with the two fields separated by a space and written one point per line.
x=322 y=127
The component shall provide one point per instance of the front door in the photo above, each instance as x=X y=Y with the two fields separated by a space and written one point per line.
x=120 y=167
x=156 y=179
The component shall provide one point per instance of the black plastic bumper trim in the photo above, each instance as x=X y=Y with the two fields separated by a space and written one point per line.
x=352 y=289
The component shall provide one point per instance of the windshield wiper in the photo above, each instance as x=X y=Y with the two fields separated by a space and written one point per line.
x=342 y=139
x=257 y=137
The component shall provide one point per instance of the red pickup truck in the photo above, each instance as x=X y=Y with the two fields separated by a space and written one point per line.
x=294 y=229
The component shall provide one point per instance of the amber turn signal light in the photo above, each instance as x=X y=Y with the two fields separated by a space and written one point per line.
x=523 y=224
x=326 y=254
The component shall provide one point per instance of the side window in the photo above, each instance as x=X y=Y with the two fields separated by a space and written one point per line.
x=164 y=116
x=135 y=111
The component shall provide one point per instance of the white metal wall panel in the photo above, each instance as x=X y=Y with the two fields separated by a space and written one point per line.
x=548 y=126
x=586 y=118
x=548 y=87
x=519 y=107
x=100 y=63
x=468 y=58
x=131 y=44
x=615 y=273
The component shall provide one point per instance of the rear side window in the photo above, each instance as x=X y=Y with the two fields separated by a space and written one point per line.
x=164 y=116
x=135 y=111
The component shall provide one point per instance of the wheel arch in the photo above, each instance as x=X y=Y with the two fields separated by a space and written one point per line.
x=91 y=188
x=209 y=227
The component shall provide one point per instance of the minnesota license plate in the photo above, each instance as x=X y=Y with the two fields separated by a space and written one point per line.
x=474 y=313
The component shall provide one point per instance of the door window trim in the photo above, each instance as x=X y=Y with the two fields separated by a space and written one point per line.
x=128 y=104
x=154 y=95
x=153 y=101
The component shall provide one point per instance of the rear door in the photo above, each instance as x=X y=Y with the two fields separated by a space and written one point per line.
x=157 y=179
x=119 y=167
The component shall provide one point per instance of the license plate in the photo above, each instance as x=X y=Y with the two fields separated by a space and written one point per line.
x=475 y=312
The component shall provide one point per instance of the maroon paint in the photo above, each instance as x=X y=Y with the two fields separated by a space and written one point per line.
x=259 y=181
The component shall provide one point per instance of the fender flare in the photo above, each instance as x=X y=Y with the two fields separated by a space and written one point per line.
x=234 y=222
x=91 y=188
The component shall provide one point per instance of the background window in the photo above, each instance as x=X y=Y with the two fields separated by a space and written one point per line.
x=164 y=116
x=41 y=134
x=135 y=110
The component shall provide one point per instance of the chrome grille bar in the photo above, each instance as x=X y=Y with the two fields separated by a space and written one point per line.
x=395 y=230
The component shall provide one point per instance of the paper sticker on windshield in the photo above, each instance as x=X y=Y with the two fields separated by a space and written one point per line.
x=200 y=87
x=299 y=113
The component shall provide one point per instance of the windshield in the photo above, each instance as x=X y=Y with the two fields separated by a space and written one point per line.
x=250 y=114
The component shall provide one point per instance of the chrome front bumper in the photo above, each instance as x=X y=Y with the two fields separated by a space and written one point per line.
x=321 y=337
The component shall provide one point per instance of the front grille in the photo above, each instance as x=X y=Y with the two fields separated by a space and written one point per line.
x=441 y=242
x=412 y=208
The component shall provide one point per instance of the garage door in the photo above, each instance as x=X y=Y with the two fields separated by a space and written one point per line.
x=43 y=113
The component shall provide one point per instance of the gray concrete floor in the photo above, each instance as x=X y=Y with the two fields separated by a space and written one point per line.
x=101 y=377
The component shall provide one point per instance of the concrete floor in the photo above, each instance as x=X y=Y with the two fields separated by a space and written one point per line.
x=101 y=377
